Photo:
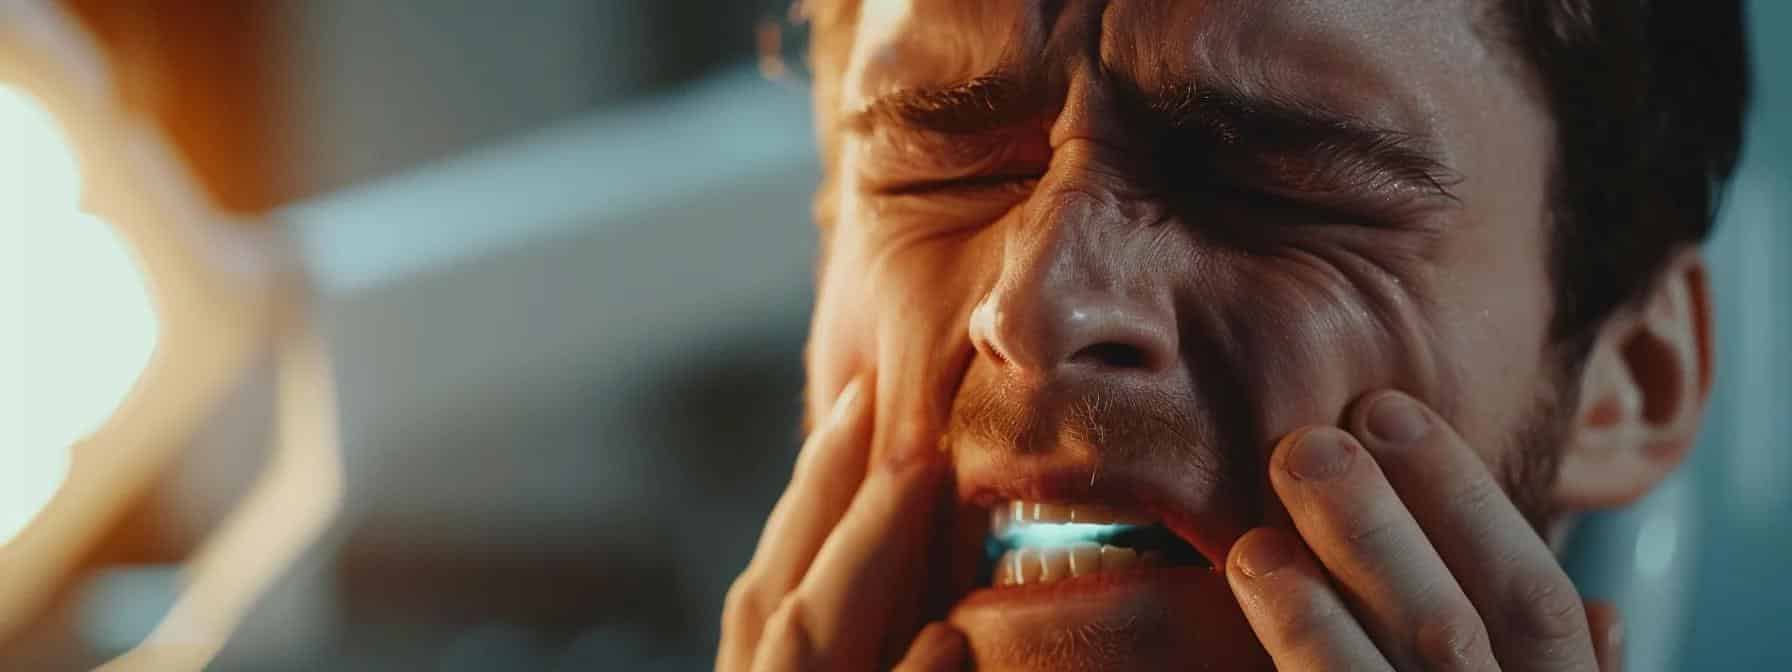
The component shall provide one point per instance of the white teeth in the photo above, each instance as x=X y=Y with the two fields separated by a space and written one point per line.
x=1055 y=541
x=1050 y=513
x=1054 y=565
x=1020 y=512
x=1046 y=565
x=1101 y=515
x=1085 y=558
x=1026 y=565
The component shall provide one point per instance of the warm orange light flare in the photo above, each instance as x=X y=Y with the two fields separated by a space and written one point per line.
x=79 y=326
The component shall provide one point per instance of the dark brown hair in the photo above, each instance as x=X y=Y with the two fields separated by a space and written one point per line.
x=1649 y=99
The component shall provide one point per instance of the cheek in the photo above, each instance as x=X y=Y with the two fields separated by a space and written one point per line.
x=896 y=305
x=1309 y=328
x=1496 y=317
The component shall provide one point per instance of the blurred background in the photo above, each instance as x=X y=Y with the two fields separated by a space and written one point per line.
x=560 y=255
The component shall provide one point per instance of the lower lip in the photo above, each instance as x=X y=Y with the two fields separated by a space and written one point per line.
x=1143 y=618
x=1088 y=589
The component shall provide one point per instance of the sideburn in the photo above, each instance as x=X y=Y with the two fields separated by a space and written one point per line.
x=1529 y=475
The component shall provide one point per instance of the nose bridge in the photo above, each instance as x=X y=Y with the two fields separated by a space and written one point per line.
x=1079 y=216
x=1055 y=247
x=1070 y=293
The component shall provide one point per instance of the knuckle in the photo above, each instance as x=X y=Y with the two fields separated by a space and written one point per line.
x=785 y=625
x=1478 y=495
x=908 y=486
x=744 y=605
x=784 y=642
x=1450 y=642
x=1308 y=623
x=1544 y=607
x=1373 y=532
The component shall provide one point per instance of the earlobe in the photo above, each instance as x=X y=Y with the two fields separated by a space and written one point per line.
x=1643 y=392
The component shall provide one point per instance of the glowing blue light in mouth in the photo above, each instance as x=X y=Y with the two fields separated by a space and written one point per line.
x=1051 y=535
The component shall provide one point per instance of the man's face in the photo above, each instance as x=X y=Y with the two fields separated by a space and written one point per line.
x=1113 y=251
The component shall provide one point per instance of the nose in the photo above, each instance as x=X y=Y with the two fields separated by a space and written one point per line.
x=1069 y=299
x=1052 y=334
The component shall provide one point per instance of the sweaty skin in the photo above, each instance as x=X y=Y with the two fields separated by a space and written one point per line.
x=1063 y=276
x=1254 y=316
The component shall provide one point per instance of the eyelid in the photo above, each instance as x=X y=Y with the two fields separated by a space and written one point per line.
x=974 y=184
x=918 y=171
x=898 y=155
x=1330 y=160
x=1339 y=181
x=1339 y=206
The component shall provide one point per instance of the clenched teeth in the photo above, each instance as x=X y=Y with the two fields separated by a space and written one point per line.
x=1019 y=512
x=1046 y=565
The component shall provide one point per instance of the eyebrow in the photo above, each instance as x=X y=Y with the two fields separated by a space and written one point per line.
x=1216 y=114
x=980 y=105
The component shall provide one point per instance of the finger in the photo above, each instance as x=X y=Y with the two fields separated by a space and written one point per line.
x=939 y=648
x=1531 y=609
x=862 y=586
x=828 y=471
x=1607 y=627
x=1291 y=606
x=1351 y=519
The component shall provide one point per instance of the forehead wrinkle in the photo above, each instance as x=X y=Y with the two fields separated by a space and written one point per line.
x=907 y=44
x=1146 y=64
x=1317 y=56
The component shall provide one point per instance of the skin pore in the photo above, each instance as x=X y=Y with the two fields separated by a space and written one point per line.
x=1120 y=252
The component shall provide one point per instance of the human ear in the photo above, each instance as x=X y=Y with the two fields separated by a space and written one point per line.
x=1642 y=393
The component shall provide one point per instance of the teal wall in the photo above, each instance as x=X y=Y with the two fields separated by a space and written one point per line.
x=1742 y=599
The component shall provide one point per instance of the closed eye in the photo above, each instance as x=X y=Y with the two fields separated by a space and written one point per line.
x=1334 y=186
x=1339 y=207
x=991 y=184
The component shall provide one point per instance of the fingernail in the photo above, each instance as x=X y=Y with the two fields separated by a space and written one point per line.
x=1395 y=419
x=843 y=404
x=1264 y=554
x=1320 y=454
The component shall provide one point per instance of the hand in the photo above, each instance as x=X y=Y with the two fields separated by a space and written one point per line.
x=832 y=585
x=1409 y=557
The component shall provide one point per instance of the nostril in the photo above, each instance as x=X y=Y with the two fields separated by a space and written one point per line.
x=1112 y=356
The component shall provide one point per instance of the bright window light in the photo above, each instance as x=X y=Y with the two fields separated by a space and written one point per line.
x=77 y=326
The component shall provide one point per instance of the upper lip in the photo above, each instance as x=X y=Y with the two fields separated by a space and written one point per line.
x=1198 y=515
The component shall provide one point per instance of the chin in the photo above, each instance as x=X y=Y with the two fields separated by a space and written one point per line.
x=1149 y=618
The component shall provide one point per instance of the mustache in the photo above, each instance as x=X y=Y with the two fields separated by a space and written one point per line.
x=1116 y=422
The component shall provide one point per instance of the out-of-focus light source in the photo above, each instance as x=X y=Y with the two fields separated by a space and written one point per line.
x=81 y=323
x=131 y=309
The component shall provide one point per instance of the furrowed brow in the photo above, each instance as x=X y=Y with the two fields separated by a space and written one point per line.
x=1231 y=118
x=980 y=105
